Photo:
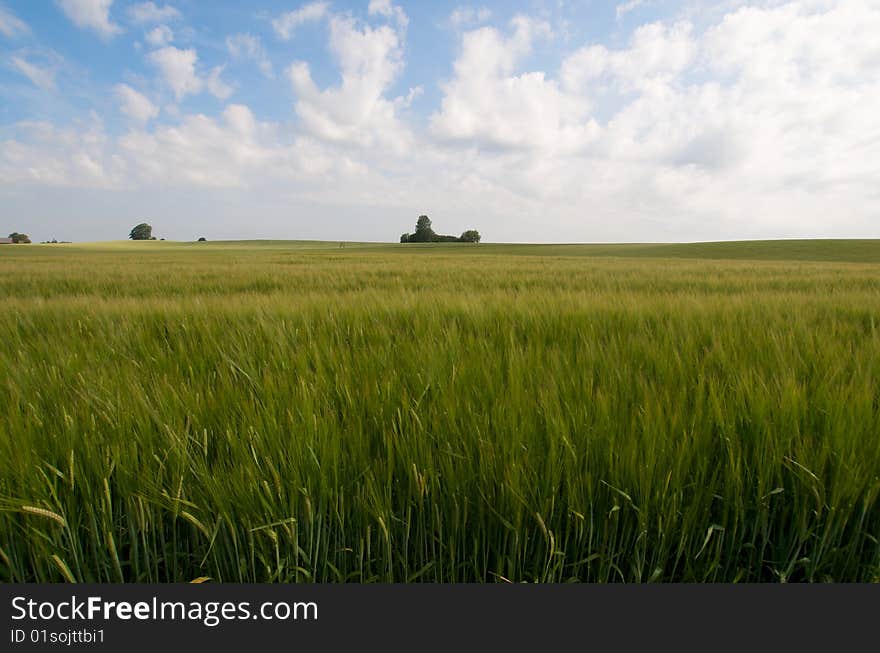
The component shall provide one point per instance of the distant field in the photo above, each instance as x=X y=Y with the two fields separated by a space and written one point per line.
x=854 y=251
x=298 y=411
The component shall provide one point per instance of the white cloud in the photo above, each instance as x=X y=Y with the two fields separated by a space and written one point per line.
x=216 y=86
x=159 y=36
x=626 y=7
x=356 y=112
x=135 y=105
x=178 y=67
x=781 y=45
x=467 y=16
x=149 y=12
x=381 y=7
x=234 y=151
x=10 y=24
x=657 y=53
x=42 y=77
x=91 y=14
x=47 y=155
x=286 y=24
x=487 y=104
x=388 y=9
x=249 y=47
x=201 y=151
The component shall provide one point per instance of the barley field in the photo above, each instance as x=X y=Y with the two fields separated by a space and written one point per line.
x=308 y=412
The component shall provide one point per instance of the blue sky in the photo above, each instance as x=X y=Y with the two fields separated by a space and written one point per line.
x=93 y=65
x=88 y=67
x=533 y=121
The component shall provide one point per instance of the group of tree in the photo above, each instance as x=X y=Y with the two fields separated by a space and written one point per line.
x=144 y=231
x=425 y=234
x=18 y=238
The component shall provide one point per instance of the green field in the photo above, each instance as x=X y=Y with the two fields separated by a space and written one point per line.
x=294 y=411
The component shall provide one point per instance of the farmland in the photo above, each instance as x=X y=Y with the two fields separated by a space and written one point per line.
x=304 y=412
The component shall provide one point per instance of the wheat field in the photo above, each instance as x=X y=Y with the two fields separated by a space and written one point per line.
x=310 y=412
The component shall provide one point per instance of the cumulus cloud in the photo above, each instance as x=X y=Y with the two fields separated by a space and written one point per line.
x=47 y=155
x=656 y=53
x=467 y=16
x=489 y=105
x=42 y=77
x=249 y=47
x=179 y=70
x=201 y=151
x=91 y=14
x=10 y=24
x=216 y=86
x=135 y=105
x=626 y=7
x=389 y=10
x=159 y=36
x=357 y=112
x=149 y=12
x=235 y=150
x=178 y=67
x=286 y=24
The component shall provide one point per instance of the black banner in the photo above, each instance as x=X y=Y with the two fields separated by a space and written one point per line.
x=412 y=617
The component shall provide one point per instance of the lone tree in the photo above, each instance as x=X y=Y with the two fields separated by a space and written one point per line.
x=203 y=239
x=18 y=238
x=470 y=236
x=143 y=231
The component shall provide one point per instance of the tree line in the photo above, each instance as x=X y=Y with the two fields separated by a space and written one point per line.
x=425 y=234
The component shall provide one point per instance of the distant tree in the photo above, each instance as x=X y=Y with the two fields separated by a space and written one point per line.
x=203 y=239
x=424 y=233
x=143 y=231
x=17 y=238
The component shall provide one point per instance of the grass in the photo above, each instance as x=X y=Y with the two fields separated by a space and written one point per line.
x=285 y=411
